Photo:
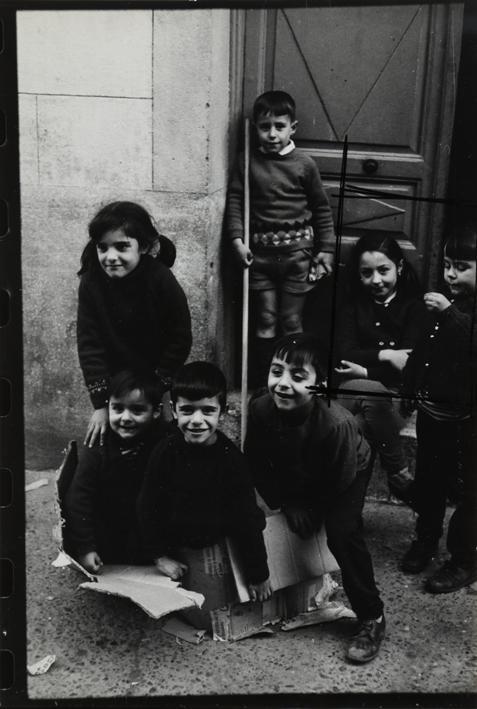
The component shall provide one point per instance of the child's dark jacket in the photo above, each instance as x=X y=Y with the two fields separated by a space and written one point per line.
x=443 y=365
x=139 y=322
x=286 y=193
x=306 y=463
x=194 y=495
x=366 y=327
x=100 y=505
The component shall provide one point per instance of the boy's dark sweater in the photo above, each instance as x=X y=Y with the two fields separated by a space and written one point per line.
x=195 y=495
x=366 y=327
x=443 y=365
x=286 y=192
x=307 y=461
x=100 y=505
x=139 y=322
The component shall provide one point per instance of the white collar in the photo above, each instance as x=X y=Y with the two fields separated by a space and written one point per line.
x=388 y=299
x=284 y=151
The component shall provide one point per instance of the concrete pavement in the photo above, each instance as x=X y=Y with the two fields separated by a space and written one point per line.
x=107 y=647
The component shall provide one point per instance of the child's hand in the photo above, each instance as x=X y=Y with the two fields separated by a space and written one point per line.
x=397 y=358
x=436 y=302
x=351 y=369
x=170 y=567
x=260 y=591
x=91 y=562
x=321 y=265
x=98 y=425
x=300 y=521
x=243 y=254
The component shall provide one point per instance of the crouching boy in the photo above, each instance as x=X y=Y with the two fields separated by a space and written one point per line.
x=309 y=458
x=197 y=487
x=100 y=505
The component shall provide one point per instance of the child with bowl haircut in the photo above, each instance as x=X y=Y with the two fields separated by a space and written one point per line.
x=292 y=237
x=100 y=505
x=197 y=487
x=441 y=374
x=309 y=458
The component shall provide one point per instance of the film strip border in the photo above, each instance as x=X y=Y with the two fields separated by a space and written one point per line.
x=12 y=478
x=12 y=505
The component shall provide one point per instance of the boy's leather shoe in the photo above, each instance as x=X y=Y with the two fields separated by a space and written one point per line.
x=405 y=494
x=450 y=577
x=365 y=644
x=418 y=556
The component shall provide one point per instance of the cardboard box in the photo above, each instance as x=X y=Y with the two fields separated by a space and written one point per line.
x=209 y=573
x=298 y=569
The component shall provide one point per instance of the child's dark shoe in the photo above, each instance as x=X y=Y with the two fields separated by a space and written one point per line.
x=404 y=494
x=401 y=486
x=418 y=556
x=450 y=577
x=365 y=643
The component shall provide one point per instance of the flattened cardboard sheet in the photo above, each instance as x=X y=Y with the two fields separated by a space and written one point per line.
x=157 y=595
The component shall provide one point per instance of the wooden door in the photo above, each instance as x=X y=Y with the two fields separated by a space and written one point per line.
x=385 y=77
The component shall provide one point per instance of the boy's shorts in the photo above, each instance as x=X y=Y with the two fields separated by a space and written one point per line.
x=286 y=271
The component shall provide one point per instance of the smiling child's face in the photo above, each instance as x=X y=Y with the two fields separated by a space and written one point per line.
x=198 y=420
x=288 y=382
x=378 y=274
x=118 y=253
x=131 y=415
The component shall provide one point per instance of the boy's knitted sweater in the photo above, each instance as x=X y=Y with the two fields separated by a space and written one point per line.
x=100 y=504
x=443 y=365
x=139 y=322
x=195 y=495
x=286 y=193
x=366 y=327
x=305 y=462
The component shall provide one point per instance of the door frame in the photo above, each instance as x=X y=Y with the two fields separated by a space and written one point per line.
x=251 y=72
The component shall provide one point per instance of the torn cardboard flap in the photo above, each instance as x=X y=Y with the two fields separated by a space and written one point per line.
x=156 y=601
x=330 y=612
x=237 y=621
x=182 y=630
x=156 y=594
x=290 y=558
x=308 y=603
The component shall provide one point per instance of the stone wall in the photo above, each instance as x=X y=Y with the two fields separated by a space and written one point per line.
x=128 y=104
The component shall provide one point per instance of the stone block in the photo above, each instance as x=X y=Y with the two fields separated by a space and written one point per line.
x=219 y=112
x=27 y=106
x=92 y=53
x=190 y=86
x=101 y=141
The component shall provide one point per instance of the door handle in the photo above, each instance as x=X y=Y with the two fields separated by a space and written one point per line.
x=370 y=166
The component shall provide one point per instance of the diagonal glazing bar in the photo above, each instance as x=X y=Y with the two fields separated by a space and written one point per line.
x=315 y=85
x=383 y=69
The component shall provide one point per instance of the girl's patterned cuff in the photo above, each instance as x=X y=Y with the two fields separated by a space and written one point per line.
x=99 y=393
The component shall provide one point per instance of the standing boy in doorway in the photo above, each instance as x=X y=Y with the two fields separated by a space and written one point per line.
x=291 y=225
